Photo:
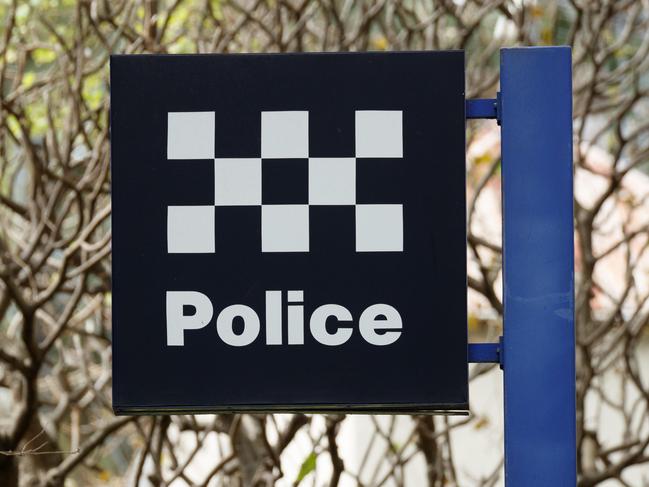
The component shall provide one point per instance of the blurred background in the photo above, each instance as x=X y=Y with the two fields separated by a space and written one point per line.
x=56 y=423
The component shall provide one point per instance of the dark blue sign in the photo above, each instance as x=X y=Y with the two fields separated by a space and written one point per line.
x=289 y=232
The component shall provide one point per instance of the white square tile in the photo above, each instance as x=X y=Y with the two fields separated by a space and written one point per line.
x=190 y=229
x=332 y=181
x=379 y=228
x=285 y=228
x=379 y=133
x=190 y=135
x=237 y=182
x=284 y=135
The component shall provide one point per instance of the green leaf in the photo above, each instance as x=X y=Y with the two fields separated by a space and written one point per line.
x=43 y=56
x=29 y=79
x=308 y=466
x=216 y=9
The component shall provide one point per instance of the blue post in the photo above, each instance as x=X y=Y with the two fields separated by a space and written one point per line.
x=538 y=348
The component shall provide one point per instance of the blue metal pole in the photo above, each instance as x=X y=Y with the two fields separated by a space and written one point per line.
x=538 y=348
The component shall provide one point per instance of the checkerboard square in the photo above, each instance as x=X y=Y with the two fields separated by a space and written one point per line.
x=190 y=229
x=284 y=135
x=285 y=181
x=379 y=133
x=331 y=132
x=379 y=228
x=332 y=181
x=238 y=131
x=331 y=232
x=237 y=182
x=285 y=228
x=190 y=135
x=238 y=231
x=382 y=181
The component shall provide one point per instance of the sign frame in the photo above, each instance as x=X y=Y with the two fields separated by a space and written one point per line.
x=421 y=275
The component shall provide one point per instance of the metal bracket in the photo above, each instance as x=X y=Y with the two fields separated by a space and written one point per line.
x=487 y=353
x=483 y=108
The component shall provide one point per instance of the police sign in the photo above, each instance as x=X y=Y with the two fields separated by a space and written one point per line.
x=289 y=232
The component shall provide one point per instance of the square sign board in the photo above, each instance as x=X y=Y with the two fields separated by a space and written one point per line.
x=289 y=232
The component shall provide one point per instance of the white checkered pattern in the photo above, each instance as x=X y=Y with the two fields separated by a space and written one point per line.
x=285 y=135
